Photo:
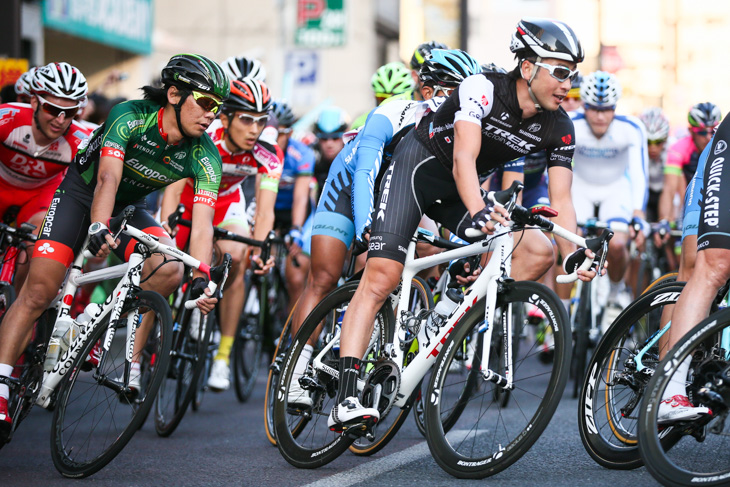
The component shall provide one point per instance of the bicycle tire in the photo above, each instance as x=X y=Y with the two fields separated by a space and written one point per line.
x=518 y=427
x=209 y=352
x=314 y=444
x=248 y=344
x=82 y=461
x=693 y=461
x=665 y=279
x=282 y=346
x=613 y=389
x=421 y=296
x=583 y=319
x=187 y=361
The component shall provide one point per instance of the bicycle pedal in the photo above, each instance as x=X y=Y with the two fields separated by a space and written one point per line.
x=357 y=429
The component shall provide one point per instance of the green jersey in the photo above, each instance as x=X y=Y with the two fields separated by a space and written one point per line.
x=133 y=133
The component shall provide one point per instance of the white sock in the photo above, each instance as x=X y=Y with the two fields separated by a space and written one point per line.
x=135 y=370
x=566 y=303
x=5 y=371
x=678 y=383
x=615 y=288
x=301 y=367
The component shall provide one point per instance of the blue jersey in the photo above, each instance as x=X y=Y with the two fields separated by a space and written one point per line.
x=298 y=161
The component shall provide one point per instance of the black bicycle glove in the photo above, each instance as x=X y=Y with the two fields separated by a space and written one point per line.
x=197 y=287
x=481 y=217
x=97 y=237
x=574 y=260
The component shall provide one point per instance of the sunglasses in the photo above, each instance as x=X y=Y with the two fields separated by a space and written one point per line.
x=207 y=103
x=656 y=142
x=55 y=110
x=248 y=120
x=445 y=91
x=560 y=73
x=703 y=132
x=334 y=136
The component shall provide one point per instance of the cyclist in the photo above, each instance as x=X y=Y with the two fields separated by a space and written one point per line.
x=573 y=102
x=436 y=169
x=420 y=54
x=145 y=145
x=706 y=207
x=293 y=201
x=682 y=156
x=391 y=79
x=39 y=141
x=610 y=166
x=247 y=150
x=242 y=67
x=344 y=210
x=657 y=133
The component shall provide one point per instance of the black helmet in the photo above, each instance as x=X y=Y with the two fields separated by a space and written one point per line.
x=422 y=51
x=492 y=68
x=283 y=113
x=546 y=38
x=195 y=72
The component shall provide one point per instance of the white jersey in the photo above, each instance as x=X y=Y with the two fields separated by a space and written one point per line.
x=620 y=154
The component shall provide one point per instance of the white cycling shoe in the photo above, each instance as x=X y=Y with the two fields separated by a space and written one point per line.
x=350 y=412
x=220 y=376
x=298 y=397
x=678 y=408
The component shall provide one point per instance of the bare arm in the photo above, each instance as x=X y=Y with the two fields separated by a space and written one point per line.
x=559 y=182
x=201 y=235
x=300 y=200
x=170 y=200
x=467 y=144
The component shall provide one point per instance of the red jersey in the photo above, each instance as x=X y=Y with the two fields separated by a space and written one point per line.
x=23 y=163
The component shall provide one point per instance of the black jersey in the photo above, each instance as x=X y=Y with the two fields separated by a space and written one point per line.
x=490 y=99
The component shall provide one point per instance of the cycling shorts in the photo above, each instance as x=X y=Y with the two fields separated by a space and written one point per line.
x=229 y=210
x=334 y=216
x=415 y=183
x=613 y=200
x=67 y=221
x=714 y=226
x=27 y=201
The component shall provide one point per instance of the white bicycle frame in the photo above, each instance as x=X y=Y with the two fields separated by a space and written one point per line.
x=486 y=284
x=130 y=272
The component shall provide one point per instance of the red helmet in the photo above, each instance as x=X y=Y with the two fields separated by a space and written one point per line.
x=249 y=95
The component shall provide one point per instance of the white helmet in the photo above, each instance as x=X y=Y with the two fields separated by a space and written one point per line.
x=61 y=80
x=600 y=89
x=22 y=86
x=241 y=67
x=656 y=123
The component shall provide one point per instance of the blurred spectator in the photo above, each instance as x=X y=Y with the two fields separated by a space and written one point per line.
x=7 y=94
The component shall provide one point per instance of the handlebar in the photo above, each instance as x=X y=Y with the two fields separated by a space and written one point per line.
x=506 y=198
x=116 y=225
x=218 y=277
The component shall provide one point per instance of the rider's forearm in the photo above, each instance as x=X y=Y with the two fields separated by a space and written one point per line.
x=566 y=219
x=104 y=197
x=467 y=182
x=300 y=201
x=171 y=198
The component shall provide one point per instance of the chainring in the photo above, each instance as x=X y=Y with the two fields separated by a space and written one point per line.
x=382 y=386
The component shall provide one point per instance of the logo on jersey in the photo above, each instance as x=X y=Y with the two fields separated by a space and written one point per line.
x=145 y=171
x=508 y=138
x=180 y=155
x=46 y=249
x=50 y=215
x=720 y=147
x=205 y=161
x=485 y=102
x=534 y=127
x=166 y=159
x=26 y=139
x=711 y=208
x=8 y=111
x=384 y=197
x=134 y=123
x=504 y=116
x=447 y=139
x=566 y=139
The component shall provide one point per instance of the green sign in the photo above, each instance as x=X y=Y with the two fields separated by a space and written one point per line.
x=126 y=24
x=320 y=23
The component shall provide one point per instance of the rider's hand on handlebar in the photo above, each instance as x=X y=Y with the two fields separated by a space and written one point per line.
x=101 y=240
x=260 y=268
x=170 y=231
x=486 y=218
x=662 y=232
x=575 y=259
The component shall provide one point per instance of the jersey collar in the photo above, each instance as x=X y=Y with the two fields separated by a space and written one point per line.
x=163 y=134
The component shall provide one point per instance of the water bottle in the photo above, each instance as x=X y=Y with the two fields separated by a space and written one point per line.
x=91 y=310
x=446 y=305
x=63 y=324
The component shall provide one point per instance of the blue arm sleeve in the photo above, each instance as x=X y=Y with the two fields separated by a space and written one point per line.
x=376 y=134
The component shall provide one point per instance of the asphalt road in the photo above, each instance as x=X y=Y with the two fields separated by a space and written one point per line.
x=224 y=444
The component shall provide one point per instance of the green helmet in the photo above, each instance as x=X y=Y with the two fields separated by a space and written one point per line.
x=195 y=72
x=392 y=79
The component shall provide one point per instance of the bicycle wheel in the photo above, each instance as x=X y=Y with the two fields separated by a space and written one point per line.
x=187 y=361
x=608 y=408
x=486 y=438
x=666 y=278
x=282 y=347
x=95 y=416
x=581 y=332
x=248 y=344
x=302 y=434
x=421 y=299
x=700 y=454
x=206 y=362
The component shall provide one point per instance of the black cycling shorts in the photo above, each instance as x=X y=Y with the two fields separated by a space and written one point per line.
x=415 y=183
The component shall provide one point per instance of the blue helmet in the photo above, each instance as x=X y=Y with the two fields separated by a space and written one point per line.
x=600 y=89
x=448 y=67
x=332 y=122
